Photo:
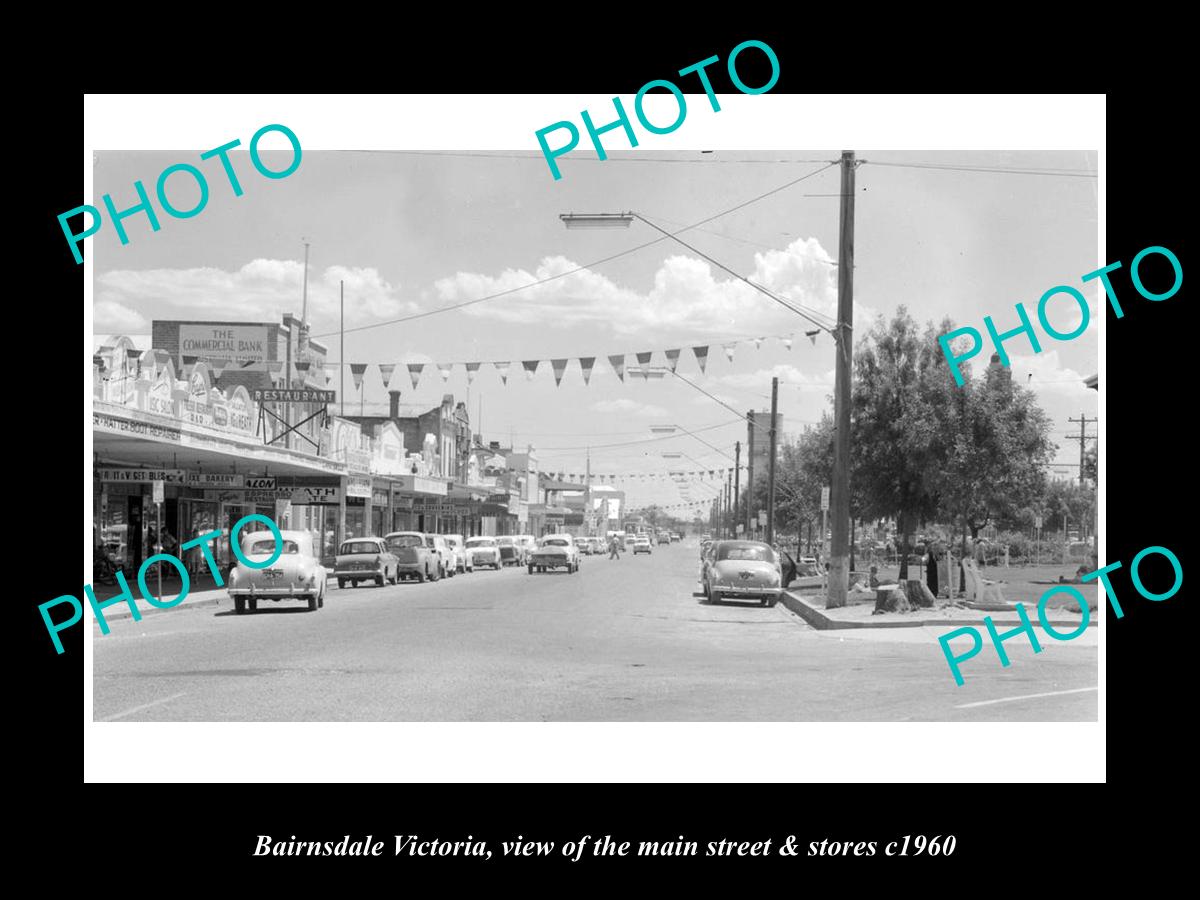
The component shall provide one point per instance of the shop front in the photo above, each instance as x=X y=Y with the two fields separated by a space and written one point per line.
x=419 y=503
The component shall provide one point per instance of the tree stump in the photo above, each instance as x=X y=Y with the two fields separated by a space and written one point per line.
x=918 y=594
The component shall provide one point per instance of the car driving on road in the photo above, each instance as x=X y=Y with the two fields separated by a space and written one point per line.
x=295 y=574
x=641 y=544
x=556 y=551
x=366 y=559
x=743 y=570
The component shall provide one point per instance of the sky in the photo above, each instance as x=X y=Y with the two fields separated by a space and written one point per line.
x=409 y=233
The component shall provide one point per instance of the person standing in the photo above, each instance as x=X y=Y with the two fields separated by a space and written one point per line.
x=613 y=548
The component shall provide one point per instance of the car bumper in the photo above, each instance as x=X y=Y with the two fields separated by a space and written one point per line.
x=756 y=593
x=553 y=562
x=275 y=593
x=358 y=573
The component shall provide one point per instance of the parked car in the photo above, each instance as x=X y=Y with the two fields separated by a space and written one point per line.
x=641 y=544
x=582 y=545
x=528 y=543
x=413 y=558
x=462 y=559
x=297 y=573
x=366 y=559
x=483 y=551
x=743 y=570
x=556 y=551
x=664 y=538
x=445 y=554
x=511 y=553
x=596 y=546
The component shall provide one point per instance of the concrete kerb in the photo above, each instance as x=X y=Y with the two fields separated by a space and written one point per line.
x=115 y=614
x=821 y=620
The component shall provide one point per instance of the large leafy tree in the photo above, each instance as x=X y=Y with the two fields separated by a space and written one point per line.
x=895 y=438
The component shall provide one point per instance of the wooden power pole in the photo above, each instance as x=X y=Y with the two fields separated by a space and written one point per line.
x=737 y=485
x=773 y=437
x=750 y=510
x=839 y=493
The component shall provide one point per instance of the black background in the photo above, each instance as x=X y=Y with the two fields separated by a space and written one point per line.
x=204 y=835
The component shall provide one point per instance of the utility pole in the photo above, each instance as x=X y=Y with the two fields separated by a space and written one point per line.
x=728 y=504
x=839 y=494
x=342 y=346
x=750 y=511
x=771 y=462
x=737 y=484
x=1082 y=437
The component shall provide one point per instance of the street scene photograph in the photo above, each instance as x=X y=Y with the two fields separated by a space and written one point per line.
x=433 y=436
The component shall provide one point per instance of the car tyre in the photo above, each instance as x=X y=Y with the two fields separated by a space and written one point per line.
x=321 y=597
x=772 y=601
x=420 y=576
x=342 y=582
x=312 y=603
x=239 y=605
x=380 y=579
x=253 y=603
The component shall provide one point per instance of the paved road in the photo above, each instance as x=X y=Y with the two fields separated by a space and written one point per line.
x=621 y=640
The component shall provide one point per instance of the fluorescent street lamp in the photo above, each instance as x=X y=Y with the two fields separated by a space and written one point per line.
x=597 y=220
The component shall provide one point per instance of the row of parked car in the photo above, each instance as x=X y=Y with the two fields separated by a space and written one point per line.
x=297 y=573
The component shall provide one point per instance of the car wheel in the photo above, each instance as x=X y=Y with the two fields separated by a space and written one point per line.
x=531 y=568
x=772 y=601
x=380 y=579
x=341 y=582
x=239 y=605
x=420 y=576
x=253 y=603
x=321 y=597
x=312 y=603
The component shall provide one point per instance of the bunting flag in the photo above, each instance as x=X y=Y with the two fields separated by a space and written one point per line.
x=728 y=348
x=812 y=336
x=787 y=343
x=217 y=366
x=644 y=358
x=530 y=368
x=386 y=371
x=586 y=363
x=672 y=358
x=303 y=365
x=275 y=366
x=444 y=369
x=356 y=372
x=618 y=364
x=472 y=368
x=701 y=357
x=502 y=368
x=414 y=372
x=559 y=366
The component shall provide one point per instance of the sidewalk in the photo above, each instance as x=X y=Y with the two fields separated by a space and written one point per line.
x=809 y=604
x=202 y=592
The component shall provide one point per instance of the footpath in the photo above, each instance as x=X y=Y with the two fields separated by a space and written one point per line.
x=202 y=592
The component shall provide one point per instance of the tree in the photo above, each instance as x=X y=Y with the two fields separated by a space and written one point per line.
x=894 y=444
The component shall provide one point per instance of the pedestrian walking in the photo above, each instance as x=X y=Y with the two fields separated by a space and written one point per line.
x=613 y=548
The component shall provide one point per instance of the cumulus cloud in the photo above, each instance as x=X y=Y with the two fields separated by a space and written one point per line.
x=628 y=407
x=261 y=290
x=688 y=296
x=113 y=318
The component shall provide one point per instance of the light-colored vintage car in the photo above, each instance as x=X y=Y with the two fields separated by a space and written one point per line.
x=582 y=545
x=366 y=559
x=483 y=551
x=462 y=559
x=413 y=558
x=296 y=574
x=641 y=544
x=528 y=543
x=445 y=554
x=511 y=552
x=743 y=570
x=596 y=546
x=555 y=551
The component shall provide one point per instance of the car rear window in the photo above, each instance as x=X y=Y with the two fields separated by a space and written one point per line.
x=404 y=542
x=746 y=551
x=480 y=542
x=267 y=547
x=360 y=547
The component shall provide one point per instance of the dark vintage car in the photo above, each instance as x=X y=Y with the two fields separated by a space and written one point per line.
x=743 y=570
x=413 y=558
x=365 y=559
x=295 y=573
x=511 y=553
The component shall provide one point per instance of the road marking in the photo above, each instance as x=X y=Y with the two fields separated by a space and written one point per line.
x=1026 y=697
x=130 y=712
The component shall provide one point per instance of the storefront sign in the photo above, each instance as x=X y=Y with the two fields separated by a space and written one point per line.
x=302 y=496
x=235 y=343
x=358 y=461
x=378 y=497
x=142 y=476
x=129 y=426
x=417 y=484
x=227 y=496
x=216 y=479
x=400 y=501
x=294 y=395
x=358 y=487
x=260 y=483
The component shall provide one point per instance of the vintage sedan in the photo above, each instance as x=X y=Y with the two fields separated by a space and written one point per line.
x=743 y=570
x=528 y=543
x=511 y=553
x=413 y=558
x=365 y=559
x=641 y=544
x=582 y=545
x=483 y=551
x=444 y=552
x=555 y=551
x=462 y=559
x=296 y=574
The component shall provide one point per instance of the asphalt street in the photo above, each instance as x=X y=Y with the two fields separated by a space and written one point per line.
x=623 y=639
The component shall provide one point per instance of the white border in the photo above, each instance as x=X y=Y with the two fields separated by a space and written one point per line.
x=592 y=752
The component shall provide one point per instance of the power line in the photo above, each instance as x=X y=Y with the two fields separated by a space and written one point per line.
x=538 y=157
x=665 y=437
x=465 y=303
x=991 y=170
